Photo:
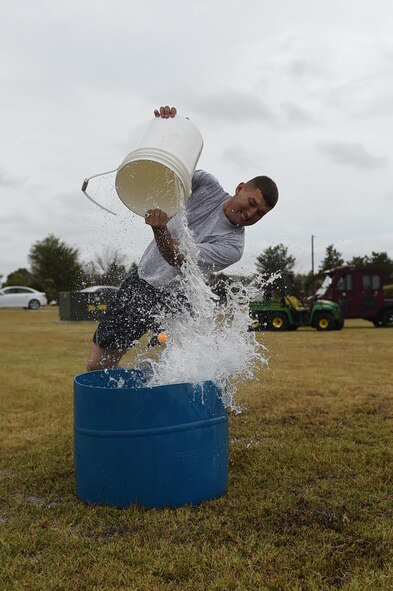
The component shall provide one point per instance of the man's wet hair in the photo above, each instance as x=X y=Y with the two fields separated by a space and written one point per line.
x=267 y=187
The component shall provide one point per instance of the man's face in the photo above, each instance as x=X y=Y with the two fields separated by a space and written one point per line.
x=246 y=207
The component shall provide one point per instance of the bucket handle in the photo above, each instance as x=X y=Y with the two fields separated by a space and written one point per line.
x=84 y=187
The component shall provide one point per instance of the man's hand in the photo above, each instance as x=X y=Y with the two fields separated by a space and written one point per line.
x=165 y=112
x=156 y=218
x=167 y=246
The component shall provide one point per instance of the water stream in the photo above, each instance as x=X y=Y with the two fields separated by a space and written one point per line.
x=206 y=340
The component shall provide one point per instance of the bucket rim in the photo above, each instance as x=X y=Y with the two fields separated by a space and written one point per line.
x=159 y=156
x=141 y=386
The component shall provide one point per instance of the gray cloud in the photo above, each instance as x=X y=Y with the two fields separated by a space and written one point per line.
x=295 y=115
x=352 y=154
x=381 y=106
x=9 y=219
x=83 y=80
x=301 y=67
x=241 y=158
x=234 y=107
x=6 y=181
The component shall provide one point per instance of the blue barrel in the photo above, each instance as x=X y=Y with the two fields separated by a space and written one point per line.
x=154 y=446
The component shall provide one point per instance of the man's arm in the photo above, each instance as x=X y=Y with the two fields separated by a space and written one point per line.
x=158 y=219
x=167 y=246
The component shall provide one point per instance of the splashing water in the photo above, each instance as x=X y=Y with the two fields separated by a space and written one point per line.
x=206 y=341
x=117 y=382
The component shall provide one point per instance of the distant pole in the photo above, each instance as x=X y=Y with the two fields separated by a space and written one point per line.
x=312 y=255
x=312 y=263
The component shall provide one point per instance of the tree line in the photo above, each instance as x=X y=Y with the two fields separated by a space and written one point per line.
x=55 y=266
x=276 y=258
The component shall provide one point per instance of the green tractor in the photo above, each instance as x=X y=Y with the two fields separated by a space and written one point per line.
x=279 y=309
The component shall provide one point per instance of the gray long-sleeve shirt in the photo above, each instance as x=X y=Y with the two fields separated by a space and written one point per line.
x=218 y=242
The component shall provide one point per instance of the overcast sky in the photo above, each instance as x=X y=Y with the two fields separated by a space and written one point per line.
x=300 y=90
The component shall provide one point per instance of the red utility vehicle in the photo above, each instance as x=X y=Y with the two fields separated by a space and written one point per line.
x=359 y=292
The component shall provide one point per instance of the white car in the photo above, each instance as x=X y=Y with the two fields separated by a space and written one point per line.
x=18 y=296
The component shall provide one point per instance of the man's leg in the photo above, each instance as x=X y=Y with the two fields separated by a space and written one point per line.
x=103 y=358
x=127 y=318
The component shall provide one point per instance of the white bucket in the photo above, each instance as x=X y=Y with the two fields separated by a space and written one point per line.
x=158 y=173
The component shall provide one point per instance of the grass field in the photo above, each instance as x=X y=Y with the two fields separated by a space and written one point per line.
x=310 y=498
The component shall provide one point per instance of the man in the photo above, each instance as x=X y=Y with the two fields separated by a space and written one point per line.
x=216 y=220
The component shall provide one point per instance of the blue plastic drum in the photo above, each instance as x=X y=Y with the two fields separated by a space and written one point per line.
x=154 y=446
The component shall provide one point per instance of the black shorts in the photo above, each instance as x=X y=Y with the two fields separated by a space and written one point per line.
x=132 y=313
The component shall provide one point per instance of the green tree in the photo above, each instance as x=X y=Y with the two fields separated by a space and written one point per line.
x=359 y=261
x=55 y=265
x=305 y=284
x=333 y=258
x=380 y=260
x=274 y=259
x=21 y=276
x=108 y=268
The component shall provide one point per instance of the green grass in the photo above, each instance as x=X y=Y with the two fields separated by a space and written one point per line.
x=310 y=497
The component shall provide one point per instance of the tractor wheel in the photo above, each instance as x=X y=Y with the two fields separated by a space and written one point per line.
x=254 y=324
x=387 y=319
x=263 y=322
x=258 y=323
x=278 y=322
x=339 y=325
x=377 y=323
x=324 y=322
